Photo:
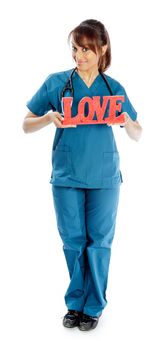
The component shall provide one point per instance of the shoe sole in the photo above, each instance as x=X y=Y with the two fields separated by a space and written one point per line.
x=68 y=326
x=87 y=329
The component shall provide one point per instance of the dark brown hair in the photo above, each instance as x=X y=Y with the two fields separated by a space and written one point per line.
x=96 y=35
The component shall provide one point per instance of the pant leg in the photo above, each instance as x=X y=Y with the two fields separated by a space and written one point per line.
x=69 y=206
x=101 y=211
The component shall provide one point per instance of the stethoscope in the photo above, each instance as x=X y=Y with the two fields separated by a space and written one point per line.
x=69 y=85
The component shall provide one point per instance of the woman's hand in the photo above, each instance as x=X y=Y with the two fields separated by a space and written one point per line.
x=57 y=119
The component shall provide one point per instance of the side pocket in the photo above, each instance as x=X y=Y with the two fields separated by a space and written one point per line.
x=111 y=164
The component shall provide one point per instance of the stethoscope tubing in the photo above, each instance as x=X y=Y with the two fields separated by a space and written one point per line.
x=69 y=84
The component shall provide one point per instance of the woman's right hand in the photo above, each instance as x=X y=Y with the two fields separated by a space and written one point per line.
x=57 y=119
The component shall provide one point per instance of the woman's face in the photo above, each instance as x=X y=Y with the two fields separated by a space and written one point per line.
x=84 y=57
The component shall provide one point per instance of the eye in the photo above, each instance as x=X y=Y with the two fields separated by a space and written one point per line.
x=74 y=49
x=85 y=49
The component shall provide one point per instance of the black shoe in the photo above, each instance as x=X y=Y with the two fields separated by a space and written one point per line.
x=71 y=319
x=87 y=322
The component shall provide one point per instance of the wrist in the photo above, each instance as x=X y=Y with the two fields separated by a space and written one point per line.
x=127 y=118
x=48 y=118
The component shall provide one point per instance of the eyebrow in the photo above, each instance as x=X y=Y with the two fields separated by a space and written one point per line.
x=86 y=45
x=73 y=44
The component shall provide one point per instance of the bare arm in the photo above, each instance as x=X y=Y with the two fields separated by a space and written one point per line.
x=32 y=122
x=133 y=128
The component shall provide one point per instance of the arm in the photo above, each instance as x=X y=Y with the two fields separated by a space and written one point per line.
x=133 y=128
x=32 y=122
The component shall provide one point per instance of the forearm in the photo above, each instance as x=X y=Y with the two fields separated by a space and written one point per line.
x=133 y=129
x=31 y=124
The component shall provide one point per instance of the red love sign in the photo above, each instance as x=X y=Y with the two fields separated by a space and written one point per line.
x=94 y=105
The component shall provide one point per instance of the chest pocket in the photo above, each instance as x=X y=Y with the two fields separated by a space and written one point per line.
x=111 y=164
x=61 y=160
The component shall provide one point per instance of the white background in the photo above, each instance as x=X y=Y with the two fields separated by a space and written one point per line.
x=33 y=273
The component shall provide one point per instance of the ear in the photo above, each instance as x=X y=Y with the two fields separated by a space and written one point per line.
x=104 y=49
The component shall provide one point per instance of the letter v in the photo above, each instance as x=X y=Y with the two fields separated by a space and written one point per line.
x=100 y=110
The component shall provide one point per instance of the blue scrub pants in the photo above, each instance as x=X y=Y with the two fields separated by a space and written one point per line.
x=86 y=221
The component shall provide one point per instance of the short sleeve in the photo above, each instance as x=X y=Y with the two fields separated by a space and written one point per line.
x=128 y=107
x=40 y=104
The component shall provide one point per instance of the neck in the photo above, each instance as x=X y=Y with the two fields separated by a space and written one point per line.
x=88 y=75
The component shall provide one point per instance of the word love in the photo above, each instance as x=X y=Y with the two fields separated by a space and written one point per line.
x=94 y=106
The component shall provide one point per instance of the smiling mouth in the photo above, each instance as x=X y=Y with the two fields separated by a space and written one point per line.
x=81 y=62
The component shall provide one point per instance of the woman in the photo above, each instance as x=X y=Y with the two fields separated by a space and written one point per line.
x=86 y=176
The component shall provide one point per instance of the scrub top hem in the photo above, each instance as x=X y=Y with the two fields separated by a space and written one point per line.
x=111 y=183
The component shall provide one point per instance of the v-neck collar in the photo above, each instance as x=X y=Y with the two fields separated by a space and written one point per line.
x=83 y=82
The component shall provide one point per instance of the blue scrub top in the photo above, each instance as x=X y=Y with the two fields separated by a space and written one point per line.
x=85 y=156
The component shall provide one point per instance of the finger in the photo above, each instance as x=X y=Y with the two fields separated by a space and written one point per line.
x=58 y=124
x=69 y=126
x=60 y=117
